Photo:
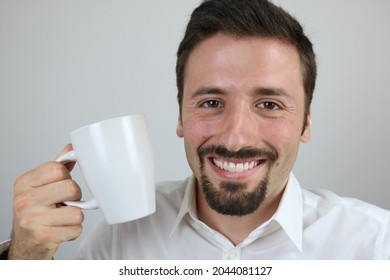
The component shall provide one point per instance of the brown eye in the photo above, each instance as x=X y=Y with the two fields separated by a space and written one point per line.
x=211 y=104
x=269 y=105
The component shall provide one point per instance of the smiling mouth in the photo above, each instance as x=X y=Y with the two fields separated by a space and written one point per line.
x=234 y=167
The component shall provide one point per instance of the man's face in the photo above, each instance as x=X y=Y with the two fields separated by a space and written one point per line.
x=241 y=119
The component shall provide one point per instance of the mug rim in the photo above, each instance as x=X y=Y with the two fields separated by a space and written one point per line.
x=105 y=121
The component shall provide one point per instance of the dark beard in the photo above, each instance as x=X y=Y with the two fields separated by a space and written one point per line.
x=232 y=198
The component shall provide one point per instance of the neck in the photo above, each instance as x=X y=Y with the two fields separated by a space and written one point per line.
x=236 y=228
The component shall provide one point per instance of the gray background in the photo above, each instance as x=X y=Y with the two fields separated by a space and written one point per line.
x=65 y=64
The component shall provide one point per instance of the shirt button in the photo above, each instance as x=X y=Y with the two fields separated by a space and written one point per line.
x=197 y=225
x=232 y=256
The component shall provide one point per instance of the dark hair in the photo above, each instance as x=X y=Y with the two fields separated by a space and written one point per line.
x=246 y=18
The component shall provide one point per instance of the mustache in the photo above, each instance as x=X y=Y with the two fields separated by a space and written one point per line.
x=244 y=153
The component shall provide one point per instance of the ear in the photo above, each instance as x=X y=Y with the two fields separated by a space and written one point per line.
x=179 y=128
x=306 y=135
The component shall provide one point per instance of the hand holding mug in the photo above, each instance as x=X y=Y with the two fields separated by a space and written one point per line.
x=116 y=160
x=39 y=225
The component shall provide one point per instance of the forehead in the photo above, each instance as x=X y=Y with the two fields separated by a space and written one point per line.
x=267 y=61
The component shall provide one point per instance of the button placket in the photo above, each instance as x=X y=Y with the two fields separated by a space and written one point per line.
x=232 y=254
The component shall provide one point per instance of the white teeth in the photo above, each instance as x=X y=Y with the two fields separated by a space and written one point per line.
x=239 y=167
x=225 y=166
x=233 y=167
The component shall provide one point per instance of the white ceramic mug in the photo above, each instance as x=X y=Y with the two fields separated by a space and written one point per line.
x=116 y=160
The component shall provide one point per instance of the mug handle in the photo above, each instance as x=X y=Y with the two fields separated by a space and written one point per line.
x=86 y=205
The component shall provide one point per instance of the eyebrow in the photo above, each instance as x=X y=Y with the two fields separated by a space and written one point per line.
x=264 y=91
x=267 y=91
x=206 y=91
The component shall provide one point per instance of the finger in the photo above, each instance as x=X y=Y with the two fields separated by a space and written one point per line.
x=59 y=234
x=61 y=191
x=67 y=233
x=68 y=148
x=40 y=217
x=63 y=216
x=46 y=197
x=44 y=174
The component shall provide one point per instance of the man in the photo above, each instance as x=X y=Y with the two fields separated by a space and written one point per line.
x=246 y=75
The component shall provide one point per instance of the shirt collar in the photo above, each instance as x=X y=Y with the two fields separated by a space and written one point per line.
x=188 y=204
x=289 y=214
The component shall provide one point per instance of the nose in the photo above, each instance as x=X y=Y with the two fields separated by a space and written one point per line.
x=239 y=128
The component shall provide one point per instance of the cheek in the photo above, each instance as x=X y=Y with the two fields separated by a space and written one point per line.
x=195 y=134
x=285 y=140
x=283 y=136
x=197 y=131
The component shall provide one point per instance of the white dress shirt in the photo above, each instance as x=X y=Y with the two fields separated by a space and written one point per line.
x=307 y=225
